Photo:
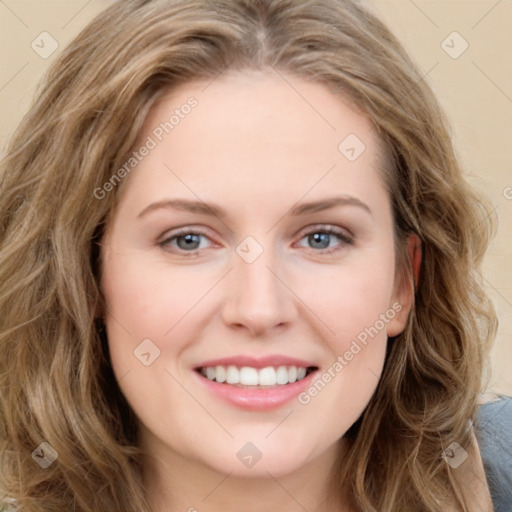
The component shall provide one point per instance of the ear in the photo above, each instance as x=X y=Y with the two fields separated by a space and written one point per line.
x=406 y=281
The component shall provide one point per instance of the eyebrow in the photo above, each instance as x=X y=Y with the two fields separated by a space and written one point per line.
x=203 y=208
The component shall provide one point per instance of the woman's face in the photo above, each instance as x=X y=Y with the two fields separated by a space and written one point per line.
x=253 y=241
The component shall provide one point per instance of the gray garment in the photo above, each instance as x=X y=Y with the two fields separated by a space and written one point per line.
x=493 y=429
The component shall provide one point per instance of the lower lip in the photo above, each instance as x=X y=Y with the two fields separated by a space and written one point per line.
x=257 y=399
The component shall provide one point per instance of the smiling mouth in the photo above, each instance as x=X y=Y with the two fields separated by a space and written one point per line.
x=255 y=378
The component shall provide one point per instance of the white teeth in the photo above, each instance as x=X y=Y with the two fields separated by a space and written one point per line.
x=248 y=376
x=267 y=376
x=220 y=374
x=282 y=375
x=232 y=375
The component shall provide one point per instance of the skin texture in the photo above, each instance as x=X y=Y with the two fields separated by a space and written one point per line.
x=255 y=146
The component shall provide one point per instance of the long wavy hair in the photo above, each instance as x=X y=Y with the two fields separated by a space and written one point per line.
x=56 y=382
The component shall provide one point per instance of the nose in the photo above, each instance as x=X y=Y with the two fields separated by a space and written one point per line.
x=258 y=298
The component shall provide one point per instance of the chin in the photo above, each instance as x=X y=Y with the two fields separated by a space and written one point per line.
x=250 y=460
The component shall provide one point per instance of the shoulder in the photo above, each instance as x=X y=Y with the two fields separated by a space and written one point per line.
x=493 y=429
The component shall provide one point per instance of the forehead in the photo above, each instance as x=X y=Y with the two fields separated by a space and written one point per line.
x=248 y=132
x=256 y=102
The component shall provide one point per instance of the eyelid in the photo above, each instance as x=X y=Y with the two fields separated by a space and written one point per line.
x=343 y=234
x=185 y=230
x=165 y=240
x=345 y=237
x=205 y=231
x=326 y=227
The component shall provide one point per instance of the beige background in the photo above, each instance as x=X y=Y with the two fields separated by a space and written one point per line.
x=475 y=88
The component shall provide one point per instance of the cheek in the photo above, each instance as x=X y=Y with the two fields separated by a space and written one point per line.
x=145 y=315
x=356 y=306
x=147 y=301
x=357 y=311
x=352 y=299
x=143 y=299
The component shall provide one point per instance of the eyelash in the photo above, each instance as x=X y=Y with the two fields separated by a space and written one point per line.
x=327 y=230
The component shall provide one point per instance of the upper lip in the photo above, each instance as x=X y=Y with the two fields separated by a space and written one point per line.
x=256 y=362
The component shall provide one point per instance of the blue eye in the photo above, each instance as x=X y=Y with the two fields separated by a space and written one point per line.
x=320 y=239
x=187 y=241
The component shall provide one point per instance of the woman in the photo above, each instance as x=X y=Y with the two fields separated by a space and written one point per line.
x=258 y=370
